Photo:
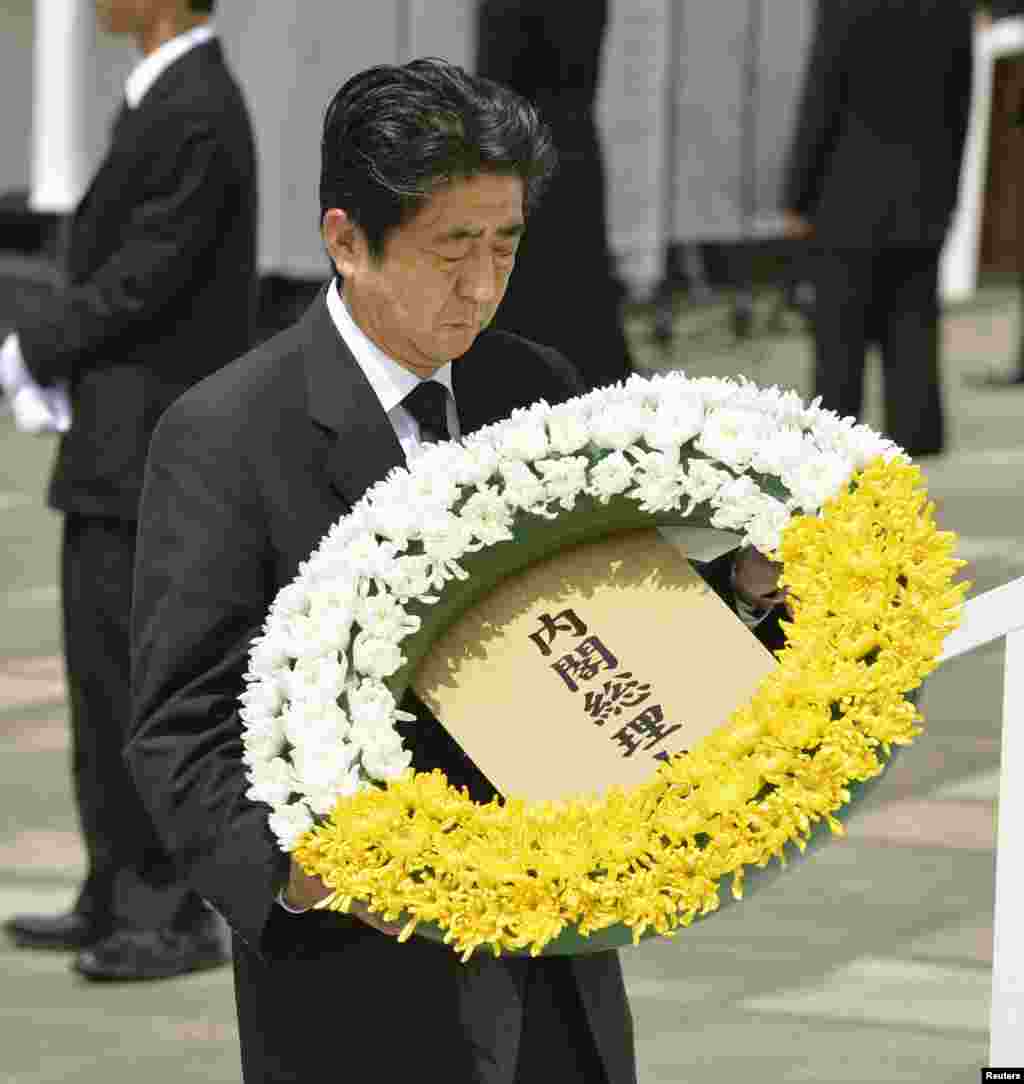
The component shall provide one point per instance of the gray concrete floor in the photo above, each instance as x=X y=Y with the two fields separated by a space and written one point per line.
x=870 y=963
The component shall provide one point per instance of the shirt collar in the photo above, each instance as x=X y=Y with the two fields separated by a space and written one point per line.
x=150 y=68
x=390 y=381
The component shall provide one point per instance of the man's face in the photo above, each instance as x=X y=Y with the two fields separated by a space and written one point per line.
x=442 y=274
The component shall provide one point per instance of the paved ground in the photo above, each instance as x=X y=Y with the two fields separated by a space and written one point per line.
x=872 y=963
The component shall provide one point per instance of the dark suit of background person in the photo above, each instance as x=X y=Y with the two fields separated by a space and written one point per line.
x=874 y=168
x=161 y=289
x=563 y=291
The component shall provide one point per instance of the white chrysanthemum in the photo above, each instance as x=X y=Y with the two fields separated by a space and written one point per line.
x=409 y=576
x=264 y=739
x=273 y=782
x=376 y=656
x=383 y=614
x=620 y=428
x=781 y=451
x=371 y=705
x=322 y=765
x=813 y=481
x=366 y=556
x=660 y=482
x=263 y=698
x=674 y=422
x=291 y=599
x=487 y=515
x=567 y=429
x=267 y=656
x=703 y=481
x=290 y=823
x=478 y=463
x=446 y=538
x=764 y=529
x=316 y=722
x=565 y=478
x=523 y=489
x=525 y=439
x=732 y=436
x=735 y=504
x=614 y=474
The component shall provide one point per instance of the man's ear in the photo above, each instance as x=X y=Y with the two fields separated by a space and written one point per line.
x=343 y=240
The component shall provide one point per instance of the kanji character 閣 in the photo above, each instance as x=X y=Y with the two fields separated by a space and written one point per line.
x=583 y=663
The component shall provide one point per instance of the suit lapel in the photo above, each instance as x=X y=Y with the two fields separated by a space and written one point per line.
x=364 y=447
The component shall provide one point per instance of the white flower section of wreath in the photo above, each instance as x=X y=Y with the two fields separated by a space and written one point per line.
x=319 y=722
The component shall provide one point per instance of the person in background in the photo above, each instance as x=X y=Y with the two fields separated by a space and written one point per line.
x=871 y=182
x=564 y=292
x=161 y=291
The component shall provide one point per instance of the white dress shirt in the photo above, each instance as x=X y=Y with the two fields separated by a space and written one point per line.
x=47 y=409
x=151 y=67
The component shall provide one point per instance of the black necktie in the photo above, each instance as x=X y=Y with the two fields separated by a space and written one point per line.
x=428 y=404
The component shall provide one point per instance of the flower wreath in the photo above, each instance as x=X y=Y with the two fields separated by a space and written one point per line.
x=870 y=578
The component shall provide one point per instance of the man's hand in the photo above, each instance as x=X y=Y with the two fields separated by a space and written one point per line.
x=305 y=890
x=755 y=579
x=796 y=227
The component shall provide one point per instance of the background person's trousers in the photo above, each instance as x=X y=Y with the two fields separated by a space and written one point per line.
x=130 y=879
x=887 y=296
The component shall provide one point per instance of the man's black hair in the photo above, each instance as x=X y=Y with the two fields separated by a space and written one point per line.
x=395 y=134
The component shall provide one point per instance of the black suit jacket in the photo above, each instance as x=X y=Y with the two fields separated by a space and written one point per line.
x=875 y=160
x=161 y=279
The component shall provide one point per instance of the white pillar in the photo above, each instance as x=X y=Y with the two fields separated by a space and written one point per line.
x=1007 y=1018
x=61 y=90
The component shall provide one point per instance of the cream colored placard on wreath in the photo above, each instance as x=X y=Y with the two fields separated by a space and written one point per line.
x=581 y=671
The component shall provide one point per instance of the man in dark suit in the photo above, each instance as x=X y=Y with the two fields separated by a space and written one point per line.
x=427 y=178
x=872 y=180
x=160 y=292
x=564 y=290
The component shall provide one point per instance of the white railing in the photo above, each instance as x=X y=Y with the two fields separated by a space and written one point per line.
x=991 y=616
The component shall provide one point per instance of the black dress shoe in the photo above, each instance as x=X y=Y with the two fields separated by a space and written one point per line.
x=72 y=930
x=154 y=954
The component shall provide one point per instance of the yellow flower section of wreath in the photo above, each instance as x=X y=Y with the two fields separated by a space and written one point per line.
x=871 y=580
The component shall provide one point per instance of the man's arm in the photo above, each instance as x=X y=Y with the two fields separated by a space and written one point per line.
x=818 y=116
x=181 y=189
x=201 y=593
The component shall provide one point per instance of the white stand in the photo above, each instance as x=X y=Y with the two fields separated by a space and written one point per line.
x=988 y=617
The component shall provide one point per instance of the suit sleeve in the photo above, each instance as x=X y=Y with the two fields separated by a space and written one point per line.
x=201 y=593
x=177 y=194
x=819 y=114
